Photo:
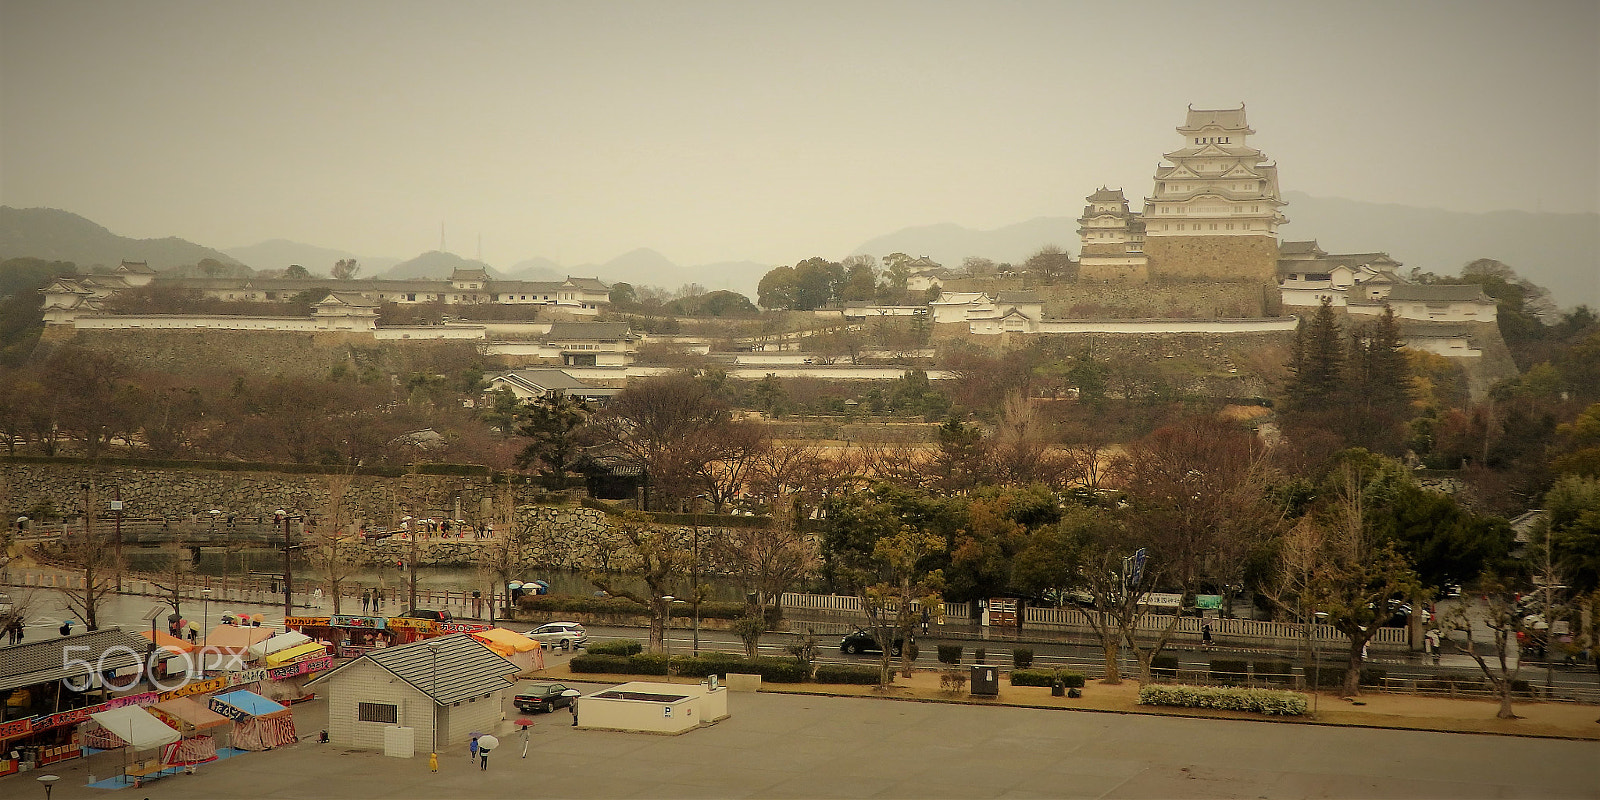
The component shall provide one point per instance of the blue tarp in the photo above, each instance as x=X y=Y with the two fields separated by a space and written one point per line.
x=249 y=702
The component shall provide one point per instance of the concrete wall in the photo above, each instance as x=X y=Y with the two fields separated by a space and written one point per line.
x=484 y=714
x=365 y=682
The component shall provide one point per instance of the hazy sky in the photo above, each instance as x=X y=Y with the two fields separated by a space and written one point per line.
x=759 y=130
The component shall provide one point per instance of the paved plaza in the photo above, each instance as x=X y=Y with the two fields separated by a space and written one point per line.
x=778 y=745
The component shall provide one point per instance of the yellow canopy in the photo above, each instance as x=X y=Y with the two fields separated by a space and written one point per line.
x=295 y=653
x=505 y=642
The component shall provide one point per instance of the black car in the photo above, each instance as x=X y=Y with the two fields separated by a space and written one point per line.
x=428 y=614
x=862 y=642
x=544 y=697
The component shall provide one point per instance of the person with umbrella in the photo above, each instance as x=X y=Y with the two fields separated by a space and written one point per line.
x=526 y=724
x=485 y=744
x=472 y=747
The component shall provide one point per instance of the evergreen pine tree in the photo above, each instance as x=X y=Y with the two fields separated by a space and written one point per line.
x=1317 y=362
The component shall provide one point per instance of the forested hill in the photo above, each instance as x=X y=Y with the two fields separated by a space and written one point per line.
x=54 y=235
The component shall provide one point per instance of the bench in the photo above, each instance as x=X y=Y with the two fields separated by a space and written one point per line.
x=149 y=771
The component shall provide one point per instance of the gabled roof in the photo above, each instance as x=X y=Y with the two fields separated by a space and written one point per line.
x=1300 y=248
x=49 y=660
x=1104 y=195
x=1018 y=297
x=138 y=267
x=1226 y=118
x=347 y=299
x=588 y=330
x=592 y=284
x=1440 y=293
x=448 y=669
x=542 y=380
x=469 y=274
x=961 y=298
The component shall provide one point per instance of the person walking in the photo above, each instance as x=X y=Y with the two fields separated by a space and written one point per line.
x=574 y=707
x=366 y=600
x=1205 y=636
x=472 y=749
x=433 y=762
x=483 y=755
x=524 y=741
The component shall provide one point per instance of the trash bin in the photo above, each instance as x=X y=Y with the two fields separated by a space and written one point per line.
x=985 y=681
x=1058 y=689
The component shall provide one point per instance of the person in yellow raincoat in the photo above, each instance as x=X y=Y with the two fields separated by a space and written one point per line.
x=433 y=762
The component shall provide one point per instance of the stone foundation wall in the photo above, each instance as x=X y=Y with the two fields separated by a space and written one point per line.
x=1251 y=259
x=295 y=353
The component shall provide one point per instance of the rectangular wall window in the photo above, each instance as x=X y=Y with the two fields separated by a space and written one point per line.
x=378 y=712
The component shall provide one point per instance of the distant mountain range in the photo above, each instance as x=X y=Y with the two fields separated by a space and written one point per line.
x=1558 y=251
x=63 y=236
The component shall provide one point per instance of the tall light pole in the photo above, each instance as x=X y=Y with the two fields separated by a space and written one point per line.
x=433 y=691
x=288 y=567
x=695 y=571
x=666 y=634
x=205 y=605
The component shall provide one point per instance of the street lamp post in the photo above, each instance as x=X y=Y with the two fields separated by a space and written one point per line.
x=433 y=652
x=666 y=634
x=49 y=782
x=288 y=567
x=695 y=571
x=205 y=605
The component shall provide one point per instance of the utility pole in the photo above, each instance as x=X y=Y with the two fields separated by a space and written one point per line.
x=288 y=566
x=116 y=505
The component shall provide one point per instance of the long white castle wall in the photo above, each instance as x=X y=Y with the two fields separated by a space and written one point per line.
x=205 y=322
x=468 y=332
x=1150 y=326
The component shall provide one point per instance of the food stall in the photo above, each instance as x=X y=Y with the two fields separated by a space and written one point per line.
x=175 y=659
x=526 y=653
x=191 y=719
x=258 y=723
x=260 y=650
x=134 y=730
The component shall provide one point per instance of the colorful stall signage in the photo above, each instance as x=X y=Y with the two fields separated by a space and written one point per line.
x=15 y=728
x=247 y=676
x=300 y=668
x=305 y=622
x=231 y=712
x=412 y=624
x=369 y=623
x=198 y=687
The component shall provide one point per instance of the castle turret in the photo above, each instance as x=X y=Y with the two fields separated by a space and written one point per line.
x=1111 y=239
x=1215 y=211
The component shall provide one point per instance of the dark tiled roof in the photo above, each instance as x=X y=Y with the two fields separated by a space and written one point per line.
x=1018 y=297
x=1104 y=195
x=1296 y=248
x=48 y=660
x=1228 y=118
x=1440 y=293
x=588 y=330
x=545 y=379
x=462 y=668
x=589 y=283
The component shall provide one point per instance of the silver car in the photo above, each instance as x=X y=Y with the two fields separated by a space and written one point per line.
x=565 y=635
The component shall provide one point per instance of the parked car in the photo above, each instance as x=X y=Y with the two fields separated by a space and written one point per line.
x=542 y=697
x=428 y=614
x=859 y=641
x=565 y=635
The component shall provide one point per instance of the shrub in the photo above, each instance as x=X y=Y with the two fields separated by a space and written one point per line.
x=1021 y=657
x=950 y=654
x=979 y=655
x=579 y=603
x=600 y=662
x=620 y=647
x=1046 y=677
x=1164 y=667
x=1273 y=671
x=1373 y=676
x=847 y=673
x=707 y=664
x=1229 y=671
x=648 y=663
x=1230 y=698
x=775 y=670
x=953 y=681
x=1334 y=676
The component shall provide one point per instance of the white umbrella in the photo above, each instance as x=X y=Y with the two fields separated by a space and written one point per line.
x=488 y=743
x=571 y=693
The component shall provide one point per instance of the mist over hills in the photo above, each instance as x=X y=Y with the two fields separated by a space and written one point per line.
x=56 y=235
x=277 y=254
x=1558 y=251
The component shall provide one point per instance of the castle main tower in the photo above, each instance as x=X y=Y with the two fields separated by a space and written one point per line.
x=1214 y=215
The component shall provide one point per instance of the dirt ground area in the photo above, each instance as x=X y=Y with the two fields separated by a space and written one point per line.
x=1375 y=710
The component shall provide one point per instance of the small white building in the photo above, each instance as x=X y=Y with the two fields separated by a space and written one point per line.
x=1434 y=302
x=449 y=686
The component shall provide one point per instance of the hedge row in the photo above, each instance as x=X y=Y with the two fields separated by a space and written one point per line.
x=1327 y=677
x=1046 y=677
x=847 y=673
x=1261 y=701
x=620 y=647
x=772 y=670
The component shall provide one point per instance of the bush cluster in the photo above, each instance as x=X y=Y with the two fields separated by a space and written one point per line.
x=1272 y=702
x=1229 y=672
x=1334 y=676
x=950 y=654
x=1021 y=657
x=847 y=673
x=1046 y=677
x=619 y=647
x=579 y=603
x=624 y=658
x=1164 y=667
x=1273 y=671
